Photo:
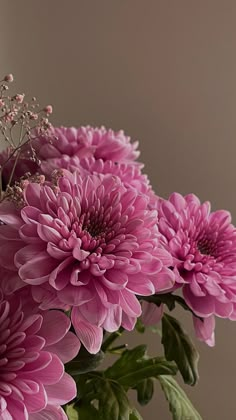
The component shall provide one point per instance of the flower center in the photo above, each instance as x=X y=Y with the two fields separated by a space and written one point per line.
x=206 y=246
x=95 y=229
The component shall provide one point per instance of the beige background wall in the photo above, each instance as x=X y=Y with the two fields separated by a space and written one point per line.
x=165 y=71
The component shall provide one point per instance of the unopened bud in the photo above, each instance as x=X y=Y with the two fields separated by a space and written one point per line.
x=48 y=109
x=8 y=78
x=19 y=98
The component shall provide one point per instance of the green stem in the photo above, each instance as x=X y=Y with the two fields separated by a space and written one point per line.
x=111 y=338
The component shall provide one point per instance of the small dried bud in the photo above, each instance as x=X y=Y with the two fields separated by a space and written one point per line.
x=32 y=115
x=8 y=78
x=9 y=116
x=19 y=98
x=48 y=109
x=2 y=103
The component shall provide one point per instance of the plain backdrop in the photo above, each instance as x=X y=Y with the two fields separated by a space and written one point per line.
x=165 y=72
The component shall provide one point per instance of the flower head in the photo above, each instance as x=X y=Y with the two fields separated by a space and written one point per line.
x=66 y=144
x=203 y=247
x=33 y=347
x=90 y=243
x=130 y=174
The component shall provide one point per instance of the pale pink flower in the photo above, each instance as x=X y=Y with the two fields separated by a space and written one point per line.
x=90 y=243
x=33 y=349
x=67 y=143
x=203 y=247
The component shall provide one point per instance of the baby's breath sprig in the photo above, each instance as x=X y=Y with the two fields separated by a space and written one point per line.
x=20 y=123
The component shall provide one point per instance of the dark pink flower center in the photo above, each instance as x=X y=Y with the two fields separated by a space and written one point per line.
x=207 y=246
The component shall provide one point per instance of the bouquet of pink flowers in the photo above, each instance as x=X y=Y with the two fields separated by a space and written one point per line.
x=88 y=251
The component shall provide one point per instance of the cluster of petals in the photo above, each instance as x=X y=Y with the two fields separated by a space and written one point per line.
x=66 y=144
x=34 y=346
x=90 y=244
x=90 y=150
x=203 y=246
x=130 y=174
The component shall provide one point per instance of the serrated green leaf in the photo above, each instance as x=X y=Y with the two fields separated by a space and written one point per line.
x=179 y=347
x=127 y=357
x=134 y=366
x=71 y=412
x=145 y=391
x=113 y=402
x=179 y=404
x=134 y=415
x=84 y=362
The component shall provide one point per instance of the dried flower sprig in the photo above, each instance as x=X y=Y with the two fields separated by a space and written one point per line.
x=20 y=123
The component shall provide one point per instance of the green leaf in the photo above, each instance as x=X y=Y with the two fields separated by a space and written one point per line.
x=179 y=347
x=87 y=412
x=113 y=402
x=134 y=366
x=166 y=298
x=71 y=412
x=139 y=326
x=134 y=415
x=84 y=362
x=179 y=404
x=110 y=398
x=145 y=391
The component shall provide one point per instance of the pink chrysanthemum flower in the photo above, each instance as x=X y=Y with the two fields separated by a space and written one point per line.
x=83 y=142
x=203 y=247
x=33 y=349
x=130 y=175
x=91 y=243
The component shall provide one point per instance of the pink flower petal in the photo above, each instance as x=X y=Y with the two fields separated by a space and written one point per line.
x=16 y=410
x=130 y=304
x=90 y=335
x=37 y=403
x=67 y=348
x=204 y=329
x=151 y=313
x=62 y=392
x=50 y=412
x=38 y=269
x=202 y=306
x=50 y=374
x=113 y=319
x=54 y=327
